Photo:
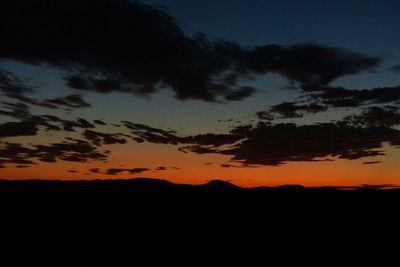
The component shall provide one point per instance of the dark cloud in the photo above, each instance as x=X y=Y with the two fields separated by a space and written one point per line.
x=291 y=110
x=48 y=122
x=15 y=110
x=13 y=87
x=87 y=83
x=75 y=151
x=54 y=123
x=34 y=102
x=313 y=66
x=29 y=125
x=143 y=133
x=265 y=115
x=78 y=151
x=267 y=144
x=372 y=162
x=198 y=149
x=22 y=166
x=124 y=46
x=15 y=154
x=355 y=137
x=376 y=116
x=99 y=139
x=117 y=45
x=213 y=139
x=229 y=166
x=70 y=101
x=115 y=171
x=240 y=94
x=94 y=170
x=84 y=123
x=228 y=120
x=341 y=97
x=99 y=122
x=23 y=128
x=79 y=123
x=137 y=170
x=395 y=68
x=161 y=168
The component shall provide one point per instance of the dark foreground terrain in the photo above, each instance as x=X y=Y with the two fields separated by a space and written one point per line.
x=145 y=222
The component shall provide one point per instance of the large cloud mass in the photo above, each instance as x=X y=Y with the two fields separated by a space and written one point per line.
x=355 y=137
x=266 y=144
x=119 y=45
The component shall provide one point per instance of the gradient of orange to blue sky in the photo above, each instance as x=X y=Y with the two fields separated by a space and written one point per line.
x=282 y=93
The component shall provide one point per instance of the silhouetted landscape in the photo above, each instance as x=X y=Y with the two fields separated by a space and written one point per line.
x=254 y=93
x=152 y=222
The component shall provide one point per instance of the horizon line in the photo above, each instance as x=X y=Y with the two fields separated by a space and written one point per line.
x=342 y=188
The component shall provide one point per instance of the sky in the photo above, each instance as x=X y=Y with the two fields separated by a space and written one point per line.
x=251 y=92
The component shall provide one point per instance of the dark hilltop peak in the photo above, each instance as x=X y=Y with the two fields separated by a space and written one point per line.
x=221 y=185
x=162 y=185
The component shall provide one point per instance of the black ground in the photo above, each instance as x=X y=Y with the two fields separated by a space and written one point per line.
x=147 y=222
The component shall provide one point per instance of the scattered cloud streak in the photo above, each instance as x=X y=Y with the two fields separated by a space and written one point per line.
x=69 y=101
x=356 y=137
x=98 y=138
x=14 y=88
x=115 y=171
x=267 y=144
x=342 y=97
x=290 y=110
x=387 y=116
x=372 y=162
x=71 y=150
x=395 y=68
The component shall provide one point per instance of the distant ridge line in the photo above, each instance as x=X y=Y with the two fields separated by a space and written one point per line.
x=214 y=184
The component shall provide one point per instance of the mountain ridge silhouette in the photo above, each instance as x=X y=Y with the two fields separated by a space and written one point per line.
x=154 y=222
x=214 y=184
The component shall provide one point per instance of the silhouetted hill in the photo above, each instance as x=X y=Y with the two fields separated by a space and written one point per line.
x=160 y=185
x=152 y=222
x=220 y=185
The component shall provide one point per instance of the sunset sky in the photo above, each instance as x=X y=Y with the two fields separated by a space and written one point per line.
x=252 y=92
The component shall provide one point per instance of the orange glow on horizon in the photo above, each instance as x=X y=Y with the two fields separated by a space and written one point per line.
x=196 y=169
